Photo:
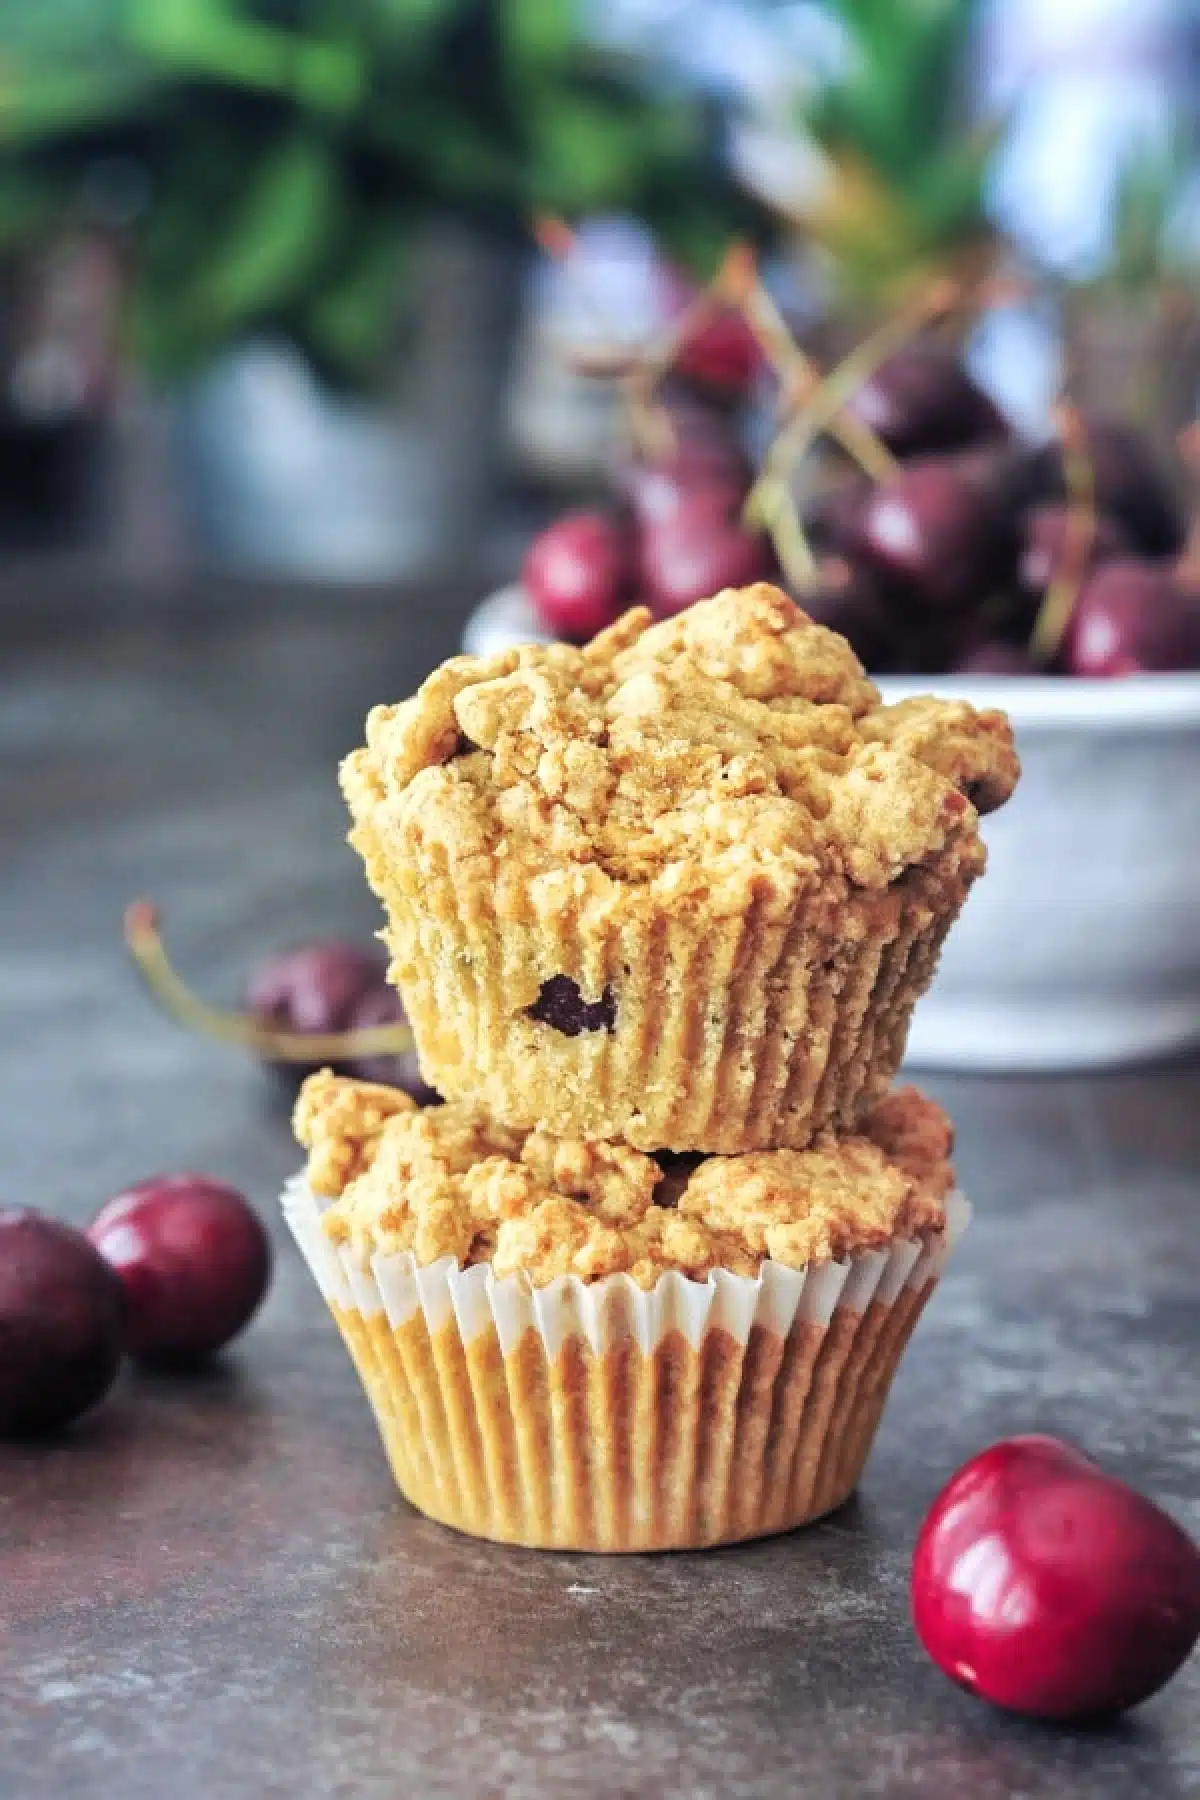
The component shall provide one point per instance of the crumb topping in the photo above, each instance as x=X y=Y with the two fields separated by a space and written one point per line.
x=441 y=1181
x=735 y=739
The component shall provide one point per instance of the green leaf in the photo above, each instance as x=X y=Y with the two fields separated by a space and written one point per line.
x=207 y=38
x=42 y=105
x=207 y=279
x=538 y=34
x=350 y=319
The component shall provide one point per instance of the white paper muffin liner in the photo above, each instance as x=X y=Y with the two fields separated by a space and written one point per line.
x=599 y=1415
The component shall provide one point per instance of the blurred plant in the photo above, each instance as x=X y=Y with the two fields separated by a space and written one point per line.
x=267 y=160
x=1133 y=331
x=903 y=197
x=1149 y=249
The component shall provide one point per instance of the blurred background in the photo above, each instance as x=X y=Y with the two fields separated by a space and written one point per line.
x=272 y=299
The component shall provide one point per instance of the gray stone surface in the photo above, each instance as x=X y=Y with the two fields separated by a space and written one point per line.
x=210 y=1590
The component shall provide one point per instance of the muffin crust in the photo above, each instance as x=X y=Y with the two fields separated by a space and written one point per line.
x=739 y=738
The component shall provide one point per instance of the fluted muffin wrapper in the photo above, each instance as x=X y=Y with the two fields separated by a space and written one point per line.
x=756 y=1030
x=602 y=1416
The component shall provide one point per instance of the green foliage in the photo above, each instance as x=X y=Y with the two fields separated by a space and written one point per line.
x=909 y=193
x=292 y=146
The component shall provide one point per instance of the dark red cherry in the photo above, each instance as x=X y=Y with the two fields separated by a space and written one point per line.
x=703 y=466
x=833 y=518
x=849 y=601
x=194 y=1261
x=922 y=401
x=1048 y=1587
x=578 y=573
x=695 y=554
x=314 y=987
x=1044 y=539
x=61 y=1323
x=1131 y=484
x=721 y=353
x=935 y=533
x=1133 y=618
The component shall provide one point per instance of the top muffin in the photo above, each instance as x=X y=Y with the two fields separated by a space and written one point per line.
x=653 y=887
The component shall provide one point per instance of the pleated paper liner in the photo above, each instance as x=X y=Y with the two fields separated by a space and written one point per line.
x=603 y=1417
x=714 y=1033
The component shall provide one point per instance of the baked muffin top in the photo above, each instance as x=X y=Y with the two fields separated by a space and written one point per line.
x=737 y=738
x=442 y=1181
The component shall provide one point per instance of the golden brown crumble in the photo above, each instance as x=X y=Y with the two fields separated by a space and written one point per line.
x=735 y=740
x=441 y=1181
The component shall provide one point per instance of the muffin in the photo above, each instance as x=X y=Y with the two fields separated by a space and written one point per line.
x=680 y=888
x=571 y=1344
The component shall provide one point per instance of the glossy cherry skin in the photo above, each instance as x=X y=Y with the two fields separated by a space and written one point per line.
x=695 y=554
x=922 y=400
x=722 y=354
x=314 y=987
x=194 y=1261
x=61 y=1323
x=833 y=518
x=1048 y=1587
x=1130 y=482
x=1133 y=618
x=578 y=573
x=1044 y=541
x=934 y=532
x=704 y=460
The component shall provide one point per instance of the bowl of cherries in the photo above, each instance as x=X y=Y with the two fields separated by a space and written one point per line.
x=1058 y=581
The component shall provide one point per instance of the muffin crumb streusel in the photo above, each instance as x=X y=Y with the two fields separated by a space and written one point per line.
x=441 y=1181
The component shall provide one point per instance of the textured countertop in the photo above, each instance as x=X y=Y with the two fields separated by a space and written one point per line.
x=210 y=1590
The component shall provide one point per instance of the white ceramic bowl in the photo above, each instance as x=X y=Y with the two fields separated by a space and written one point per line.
x=1081 y=949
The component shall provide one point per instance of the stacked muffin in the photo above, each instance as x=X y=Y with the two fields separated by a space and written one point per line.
x=659 y=910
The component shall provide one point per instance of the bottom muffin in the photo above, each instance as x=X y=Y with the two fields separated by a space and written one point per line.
x=578 y=1346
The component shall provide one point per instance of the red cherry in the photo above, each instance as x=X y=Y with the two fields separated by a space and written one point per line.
x=922 y=400
x=1043 y=541
x=578 y=574
x=695 y=554
x=194 y=1260
x=1048 y=1587
x=833 y=518
x=722 y=353
x=314 y=987
x=61 y=1323
x=703 y=459
x=1131 y=483
x=935 y=531
x=850 y=602
x=1131 y=618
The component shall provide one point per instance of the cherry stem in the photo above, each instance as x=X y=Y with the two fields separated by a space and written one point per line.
x=648 y=424
x=148 y=952
x=842 y=382
x=778 y=514
x=1079 y=533
x=648 y=417
x=798 y=374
